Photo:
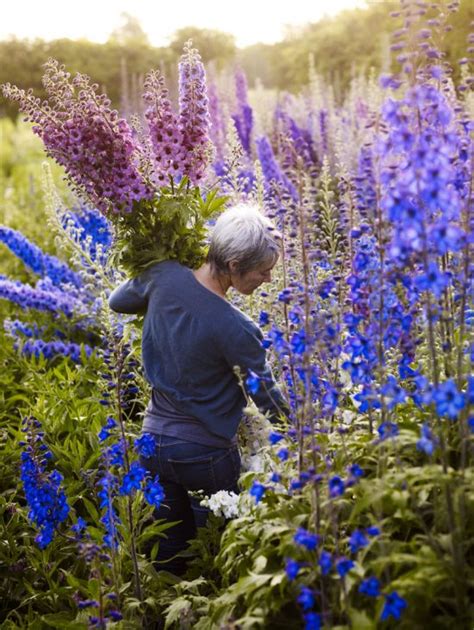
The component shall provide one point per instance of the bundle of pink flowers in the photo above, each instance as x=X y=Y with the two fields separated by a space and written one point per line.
x=104 y=158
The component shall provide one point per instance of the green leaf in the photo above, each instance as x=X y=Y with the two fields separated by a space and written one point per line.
x=360 y=620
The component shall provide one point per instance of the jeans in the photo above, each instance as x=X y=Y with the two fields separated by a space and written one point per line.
x=183 y=466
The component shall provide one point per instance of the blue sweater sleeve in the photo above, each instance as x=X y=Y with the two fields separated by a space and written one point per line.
x=130 y=297
x=244 y=349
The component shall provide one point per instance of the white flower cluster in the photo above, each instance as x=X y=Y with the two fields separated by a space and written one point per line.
x=253 y=439
x=223 y=503
x=253 y=463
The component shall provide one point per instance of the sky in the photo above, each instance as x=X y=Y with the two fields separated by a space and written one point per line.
x=250 y=21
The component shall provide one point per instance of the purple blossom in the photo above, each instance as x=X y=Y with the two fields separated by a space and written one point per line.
x=52 y=349
x=271 y=170
x=445 y=237
x=164 y=132
x=132 y=479
x=47 y=503
x=194 y=119
x=388 y=430
x=275 y=437
x=91 y=231
x=433 y=280
x=79 y=525
x=53 y=300
x=373 y=530
x=392 y=393
x=81 y=132
x=252 y=382
x=243 y=118
x=312 y=621
x=356 y=471
x=295 y=143
x=105 y=431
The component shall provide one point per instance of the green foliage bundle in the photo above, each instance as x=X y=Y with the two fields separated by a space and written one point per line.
x=172 y=226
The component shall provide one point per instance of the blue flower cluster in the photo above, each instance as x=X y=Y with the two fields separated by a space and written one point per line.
x=48 y=506
x=106 y=610
x=108 y=484
x=27 y=297
x=91 y=230
x=306 y=539
x=121 y=477
x=51 y=349
x=257 y=490
x=39 y=262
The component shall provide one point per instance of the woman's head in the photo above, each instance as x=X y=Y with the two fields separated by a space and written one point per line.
x=244 y=244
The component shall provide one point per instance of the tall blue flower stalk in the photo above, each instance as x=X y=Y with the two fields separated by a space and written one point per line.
x=38 y=261
x=60 y=290
x=45 y=496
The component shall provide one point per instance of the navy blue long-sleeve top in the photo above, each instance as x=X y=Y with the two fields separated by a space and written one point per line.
x=192 y=339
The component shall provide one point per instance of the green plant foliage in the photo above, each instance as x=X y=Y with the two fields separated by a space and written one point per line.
x=172 y=226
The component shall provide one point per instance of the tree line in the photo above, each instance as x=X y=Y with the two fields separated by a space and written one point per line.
x=352 y=42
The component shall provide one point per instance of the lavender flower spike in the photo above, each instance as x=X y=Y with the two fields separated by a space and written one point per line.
x=164 y=133
x=243 y=119
x=82 y=133
x=194 y=118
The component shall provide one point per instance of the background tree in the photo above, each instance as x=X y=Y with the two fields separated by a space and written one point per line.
x=352 y=42
x=130 y=32
x=213 y=45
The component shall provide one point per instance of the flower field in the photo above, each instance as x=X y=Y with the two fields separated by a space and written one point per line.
x=359 y=511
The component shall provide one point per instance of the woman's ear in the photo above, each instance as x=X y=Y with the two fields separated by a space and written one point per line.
x=233 y=266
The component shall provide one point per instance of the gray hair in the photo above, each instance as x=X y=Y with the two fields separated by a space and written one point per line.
x=245 y=235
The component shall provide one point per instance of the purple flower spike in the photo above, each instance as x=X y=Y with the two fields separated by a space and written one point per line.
x=165 y=135
x=194 y=118
x=81 y=132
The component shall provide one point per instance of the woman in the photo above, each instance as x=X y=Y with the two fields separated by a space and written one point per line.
x=192 y=340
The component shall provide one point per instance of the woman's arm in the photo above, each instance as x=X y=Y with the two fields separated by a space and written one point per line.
x=246 y=351
x=130 y=297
